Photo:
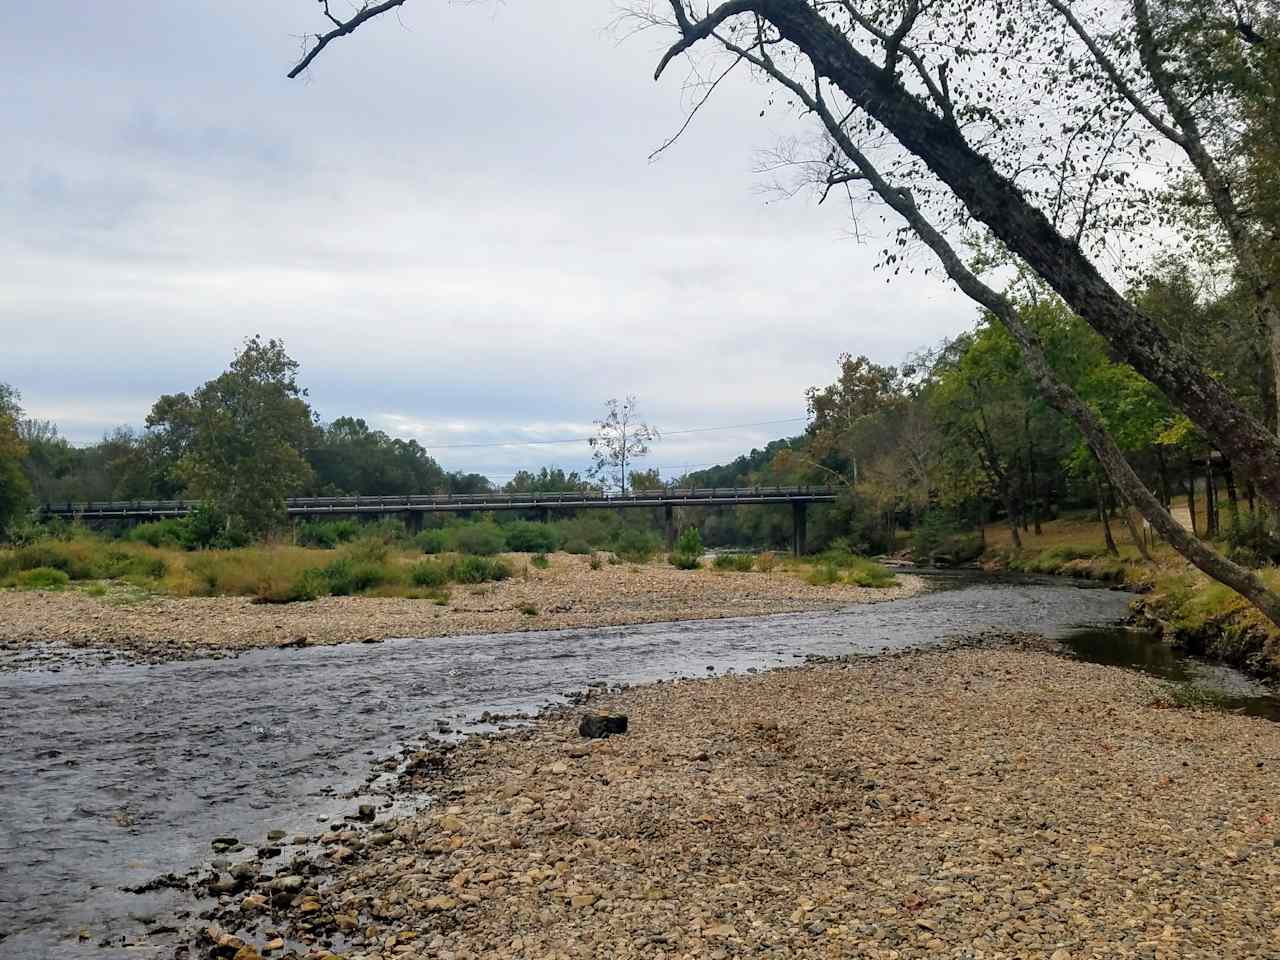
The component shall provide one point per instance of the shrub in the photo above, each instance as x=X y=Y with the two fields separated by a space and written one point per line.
x=868 y=573
x=635 y=546
x=367 y=574
x=340 y=575
x=116 y=563
x=432 y=541
x=478 y=539
x=596 y=562
x=766 y=562
x=525 y=537
x=367 y=550
x=737 y=562
x=162 y=533
x=429 y=573
x=824 y=574
x=528 y=609
x=540 y=561
x=327 y=534
x=72 y=557
x=310 y=585
x=43 y=578
x=688 y=552
x=577 y=546
x=475 y=569
x=207 y=528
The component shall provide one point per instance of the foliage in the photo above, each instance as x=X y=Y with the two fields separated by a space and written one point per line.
x=739 y=562
x=42 y=578
x=595 y=562
x=546 y=480
x=241 y=436
x=429 y=573
x=478 y=539
x=15 y=489
x=326 y=534
x=634 y=545
x=1252 y=539
x=688 y=552
x=432 y=541
x=479 y=569
x=540 y=561
x=577 y=545
x=767 y=562
x=350 y=458
x=621 y=438
x=525 y=537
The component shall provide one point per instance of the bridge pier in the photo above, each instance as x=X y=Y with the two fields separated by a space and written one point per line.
x=799 y=522
x=669 y=526
x=413 y=521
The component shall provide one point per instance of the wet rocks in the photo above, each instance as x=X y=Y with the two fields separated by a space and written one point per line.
x=597 y=725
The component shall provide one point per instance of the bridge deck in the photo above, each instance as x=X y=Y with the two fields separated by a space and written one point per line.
x=461 y=503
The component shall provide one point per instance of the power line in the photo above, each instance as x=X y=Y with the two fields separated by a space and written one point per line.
x=667 y=433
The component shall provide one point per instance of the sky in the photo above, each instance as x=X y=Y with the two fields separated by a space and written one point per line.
x=452 y=221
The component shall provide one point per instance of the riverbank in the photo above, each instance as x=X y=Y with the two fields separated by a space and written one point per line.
x=568 y=593
x=970 y=802
x=1191 y=611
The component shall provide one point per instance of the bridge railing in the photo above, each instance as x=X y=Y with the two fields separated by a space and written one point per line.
x=444 y=502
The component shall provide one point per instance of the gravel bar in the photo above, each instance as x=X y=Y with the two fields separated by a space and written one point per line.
x=978 y=802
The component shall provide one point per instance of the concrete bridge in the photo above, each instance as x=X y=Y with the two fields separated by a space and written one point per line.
x=413 y=508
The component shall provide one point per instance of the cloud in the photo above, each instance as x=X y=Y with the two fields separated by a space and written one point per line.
x=445 y=229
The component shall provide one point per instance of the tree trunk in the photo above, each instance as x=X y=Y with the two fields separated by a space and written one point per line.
x=1233 y=499
x=1166 y=497
x=1102 y=515
x=1134 y=534
x=996 y=201
x=1210 y=499
x=1191 y=497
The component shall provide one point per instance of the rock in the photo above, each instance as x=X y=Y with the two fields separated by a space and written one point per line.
x=440 y=903
x=598 y=725
x=366 y=812
x=247 y=953
x=222 y=844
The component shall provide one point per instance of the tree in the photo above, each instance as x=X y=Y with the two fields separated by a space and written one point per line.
x=241 y=437
x=350 y=458
x=1049 y=176
x=546 y=480
x=15 y=491
x=621 y=438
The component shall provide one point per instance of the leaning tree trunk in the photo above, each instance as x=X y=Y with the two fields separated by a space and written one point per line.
x=1059 y=394
x=995 y=200
x=1135 y=534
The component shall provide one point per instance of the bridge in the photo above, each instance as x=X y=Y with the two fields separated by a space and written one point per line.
x=414 y=507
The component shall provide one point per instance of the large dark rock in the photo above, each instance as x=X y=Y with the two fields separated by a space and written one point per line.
x=602 y=725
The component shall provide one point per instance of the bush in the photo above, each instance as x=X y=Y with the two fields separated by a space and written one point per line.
x=207 y=528
x=367 y=550
x=478 y=539
x=429 y=573
x=327 y=534
x=525 y=537
x=635 y=546
x=540 y=561
x=475 y=569
x=824 y=574
x=162 y=533
x=309 y=586
x=528 y=609
x=432 y=541
x=688 y=552
x=868 y=573
x=577 y=546
x=72 y=557
x=43 y=578
x=116 y=563
x=766 y=562
x=596 y=562
x=1250 y=537
x=737 y=562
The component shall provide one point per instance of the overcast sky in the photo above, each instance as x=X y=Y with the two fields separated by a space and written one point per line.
x=452 y=223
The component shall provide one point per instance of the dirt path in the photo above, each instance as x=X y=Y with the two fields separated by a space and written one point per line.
x=568 y=594
x=972 y=803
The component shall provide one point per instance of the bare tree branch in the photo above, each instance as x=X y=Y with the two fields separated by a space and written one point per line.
x=342 y=29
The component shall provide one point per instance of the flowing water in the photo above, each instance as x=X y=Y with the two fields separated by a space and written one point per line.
x=112 y=775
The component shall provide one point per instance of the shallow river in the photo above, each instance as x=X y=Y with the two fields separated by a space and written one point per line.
x=112 y=775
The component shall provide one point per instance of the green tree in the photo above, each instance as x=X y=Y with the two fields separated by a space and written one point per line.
x=15 y=491
x=350 y=458
x=241 y=437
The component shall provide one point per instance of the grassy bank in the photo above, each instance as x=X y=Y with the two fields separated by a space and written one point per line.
x=1193 y=612
x=378 y=563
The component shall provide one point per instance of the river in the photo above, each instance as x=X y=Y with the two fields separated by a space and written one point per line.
x=112 y=775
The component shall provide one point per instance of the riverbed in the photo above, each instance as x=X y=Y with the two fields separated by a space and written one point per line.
x=114 y=775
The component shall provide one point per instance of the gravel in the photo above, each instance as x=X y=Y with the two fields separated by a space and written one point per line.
x=978 y=802
x=568 y=594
